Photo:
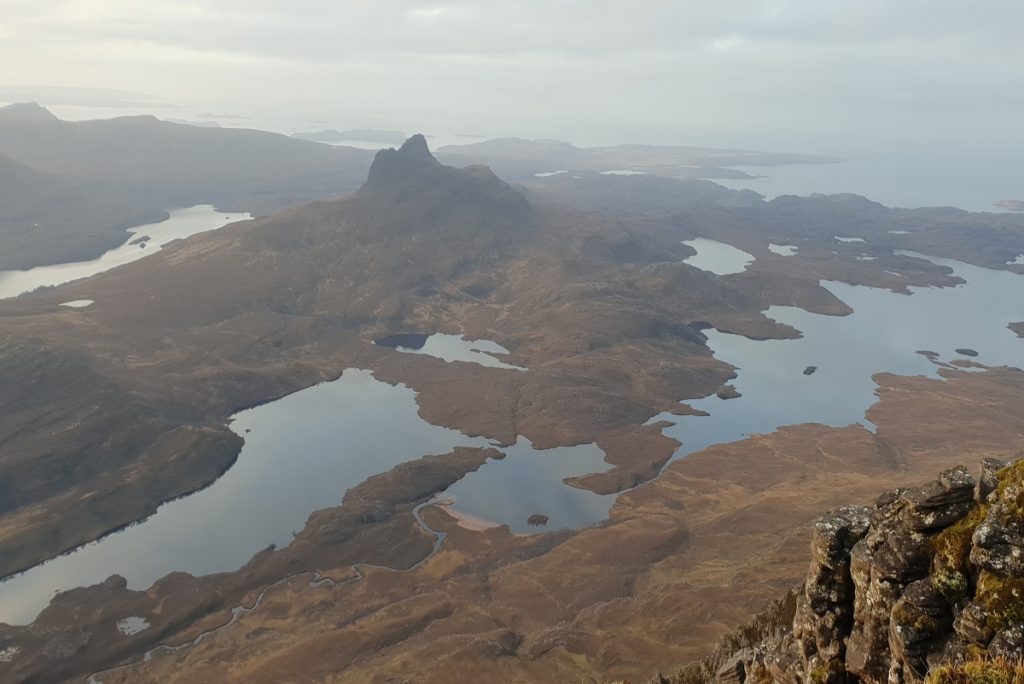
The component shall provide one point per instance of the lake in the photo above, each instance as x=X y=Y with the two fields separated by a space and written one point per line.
x=884 y=333
x=181 y=224
x=303 y=451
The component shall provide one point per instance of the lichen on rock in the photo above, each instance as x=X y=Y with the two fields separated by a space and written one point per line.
x=926 y=586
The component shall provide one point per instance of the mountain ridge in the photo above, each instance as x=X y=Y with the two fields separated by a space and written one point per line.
x=161 y=165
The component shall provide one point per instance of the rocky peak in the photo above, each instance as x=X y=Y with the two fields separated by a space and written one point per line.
x=416 y=147
x=26 y=111
x=411 y=177
x=410 y=162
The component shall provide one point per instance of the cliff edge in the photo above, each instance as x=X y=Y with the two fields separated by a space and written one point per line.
x=925 y=586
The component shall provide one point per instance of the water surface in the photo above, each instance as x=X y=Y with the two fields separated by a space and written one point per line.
x=303 y=451
x=301 y=454
x=883 y=334
x=717 y=257
x=181 y=224
x=449 y=348
x=782 y=250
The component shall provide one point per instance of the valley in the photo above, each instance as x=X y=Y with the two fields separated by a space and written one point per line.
x=611 y=332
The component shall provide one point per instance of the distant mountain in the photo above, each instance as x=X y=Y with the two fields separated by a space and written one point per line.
x=26 y=111
x=638 y=194
x=361 y=134
x=50 y=218
x=162 y=165
x=202 y=124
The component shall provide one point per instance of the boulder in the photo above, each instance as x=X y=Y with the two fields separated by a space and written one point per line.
x=971 y=625
x=940 y=503
x=1008 y=643
x=919 y=625
x=988 y=479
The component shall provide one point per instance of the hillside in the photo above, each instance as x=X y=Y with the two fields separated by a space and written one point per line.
x=49 y=218
x=101 y=169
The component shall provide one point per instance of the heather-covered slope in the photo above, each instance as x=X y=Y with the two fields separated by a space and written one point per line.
x=49 y=218
x=113 y=173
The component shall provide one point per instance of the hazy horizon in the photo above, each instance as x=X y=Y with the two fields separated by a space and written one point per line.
x=909 y=86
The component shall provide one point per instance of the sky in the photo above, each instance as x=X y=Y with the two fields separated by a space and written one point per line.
x=790 y=74
x=933 y=78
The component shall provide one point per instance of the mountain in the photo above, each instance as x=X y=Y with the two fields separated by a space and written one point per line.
x=50 y=218
x=161 y=165
x=26 y=112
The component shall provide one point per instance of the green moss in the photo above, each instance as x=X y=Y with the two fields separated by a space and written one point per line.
x=1002 y=598
x=1010 y=490
x=760 y=675
x=819 y=674
x=952 y=546
x=952 y=584
x=901 y=614
x=922 y=622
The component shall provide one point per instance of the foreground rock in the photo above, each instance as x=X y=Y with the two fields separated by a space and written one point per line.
x=927 y=577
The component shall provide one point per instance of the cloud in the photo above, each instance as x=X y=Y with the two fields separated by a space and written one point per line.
x=718 y=72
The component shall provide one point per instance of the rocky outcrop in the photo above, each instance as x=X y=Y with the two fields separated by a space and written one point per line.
x=928 y=577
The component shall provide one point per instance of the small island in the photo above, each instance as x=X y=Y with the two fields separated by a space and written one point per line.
x=727 y=392
x=1009 y=204
x=537 y=520
x=964 y=351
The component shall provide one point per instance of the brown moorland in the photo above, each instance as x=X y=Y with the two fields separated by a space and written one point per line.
x=122 y=405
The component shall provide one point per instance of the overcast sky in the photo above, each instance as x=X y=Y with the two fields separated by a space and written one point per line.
x=800 y=75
